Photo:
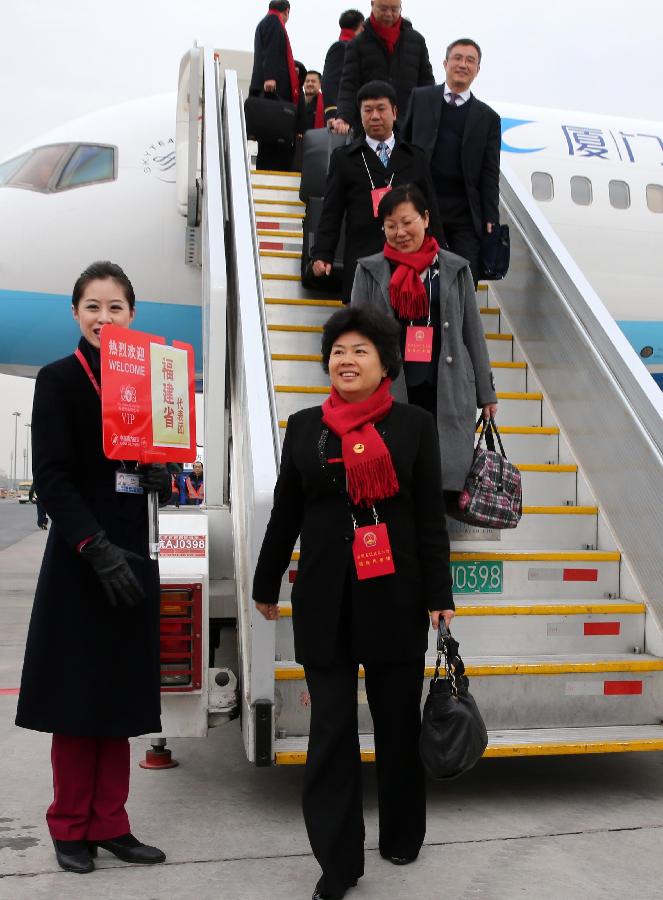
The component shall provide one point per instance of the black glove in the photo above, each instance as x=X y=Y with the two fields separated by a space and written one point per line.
x=111 y=566
x=154 y=477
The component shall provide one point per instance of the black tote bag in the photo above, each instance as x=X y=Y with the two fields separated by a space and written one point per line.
x=453 y=734
x=268 y=118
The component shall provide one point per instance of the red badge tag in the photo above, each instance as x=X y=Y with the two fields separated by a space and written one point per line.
x=376 y=195
x=372 y=552
x=419 y=343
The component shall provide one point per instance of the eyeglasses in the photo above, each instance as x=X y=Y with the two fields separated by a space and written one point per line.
x=393 y=227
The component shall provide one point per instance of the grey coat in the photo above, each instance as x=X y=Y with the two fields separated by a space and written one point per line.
x=464 y=377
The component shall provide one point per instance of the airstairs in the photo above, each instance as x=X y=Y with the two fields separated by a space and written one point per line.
x=557 y=619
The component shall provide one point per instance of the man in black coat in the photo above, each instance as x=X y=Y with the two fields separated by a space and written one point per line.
x=389 y=49
x=351 y=23
x=461 y=137
x=356 y=173
x=274 y=73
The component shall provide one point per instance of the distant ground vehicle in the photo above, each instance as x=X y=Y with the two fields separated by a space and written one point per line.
x=23 y=491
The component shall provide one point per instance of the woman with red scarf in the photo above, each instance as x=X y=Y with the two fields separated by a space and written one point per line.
x=360 y=483
x=430 y=292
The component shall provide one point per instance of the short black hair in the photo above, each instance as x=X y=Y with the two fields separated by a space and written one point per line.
x=351 y=18
x=404 y=193
x=314 y=72
x=379 y=327
x=102 y=269
x=279 y=5
x=463 y=41
x=375 y=90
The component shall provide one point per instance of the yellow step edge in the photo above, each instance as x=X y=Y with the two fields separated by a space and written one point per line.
x=274 y=187
x=299 y=329
x=280 y=254
x=498 y=337
x=501 y=751
x=525 y=556
x=321 y=389
x=277 y=232
x=489 y=311
x=482 y=287
x=258 y=200
x=490 y=670
x=291 y=301
x=266 y=214
x=545 y=467
x=544 y=609
x=295 y=357
x=508 y=365
x=277 y=276
x=560 y=510
x=275 y=172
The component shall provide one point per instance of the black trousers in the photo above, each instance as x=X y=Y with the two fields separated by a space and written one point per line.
x=332 y=797
x=425 y=396
x=463 y=240
x=274 y=156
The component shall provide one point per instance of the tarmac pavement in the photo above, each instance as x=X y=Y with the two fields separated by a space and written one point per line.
x=564 y=828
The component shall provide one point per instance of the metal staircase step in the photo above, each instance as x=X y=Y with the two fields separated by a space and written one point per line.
x=291 y=751
x=269 y=176
x=549 y=484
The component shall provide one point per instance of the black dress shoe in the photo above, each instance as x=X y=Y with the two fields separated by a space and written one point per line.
x=73 y=856
x=399 y=860
x=129 y=849
x=321 y=894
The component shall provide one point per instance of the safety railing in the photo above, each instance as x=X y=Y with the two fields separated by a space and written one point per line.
x=605 y=402
x=255 y=438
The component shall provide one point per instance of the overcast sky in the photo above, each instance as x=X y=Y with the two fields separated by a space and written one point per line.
x=59 y=60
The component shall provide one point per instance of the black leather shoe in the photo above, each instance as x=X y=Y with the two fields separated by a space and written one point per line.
x=73 y=856
x=399 y=860
x=320 y=894
x=129 y=849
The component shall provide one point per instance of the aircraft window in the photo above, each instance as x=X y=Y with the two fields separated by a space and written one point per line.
x=8 y=168
x=542 y=186
x=36 y=172
x=581 y=190
x=620 y=194
x=655 y=197
x=88 y=165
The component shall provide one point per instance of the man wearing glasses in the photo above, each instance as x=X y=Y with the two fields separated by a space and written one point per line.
x=389 y=49
x=461 y=137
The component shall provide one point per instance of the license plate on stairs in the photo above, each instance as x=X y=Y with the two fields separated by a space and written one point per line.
x=477 y=577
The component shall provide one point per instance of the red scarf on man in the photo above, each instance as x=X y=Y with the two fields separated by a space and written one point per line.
x=369 y=468
x=292 y=71
x=406 y=290
x=388 y=34
x=319 y=121
x=347 y=34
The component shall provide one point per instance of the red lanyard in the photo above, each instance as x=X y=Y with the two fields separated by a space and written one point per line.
x=88 y=371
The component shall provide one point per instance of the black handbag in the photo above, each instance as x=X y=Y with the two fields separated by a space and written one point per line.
x=268 y=118
x=453 y=734
x=495 y=253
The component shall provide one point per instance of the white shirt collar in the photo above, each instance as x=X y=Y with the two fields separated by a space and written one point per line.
x=464 y=97
x=373 y=144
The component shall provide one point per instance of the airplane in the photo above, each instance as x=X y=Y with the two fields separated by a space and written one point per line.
x=106 y=186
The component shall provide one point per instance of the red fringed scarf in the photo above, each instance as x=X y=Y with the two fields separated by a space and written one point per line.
x=347 y=34
x=388 y=34
x=369 y=468
x=319 y=121
x=292 y=71
x=406 y=290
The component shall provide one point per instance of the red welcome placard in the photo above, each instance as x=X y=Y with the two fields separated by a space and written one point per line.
x=148 y=401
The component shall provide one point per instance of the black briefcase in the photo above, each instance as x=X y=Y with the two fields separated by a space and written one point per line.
x=317 y=147
x=268 y=118
x=328 y=283
x=495 y=253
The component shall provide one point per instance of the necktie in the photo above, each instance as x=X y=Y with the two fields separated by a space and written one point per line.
x=383 y=154
x=453 y=99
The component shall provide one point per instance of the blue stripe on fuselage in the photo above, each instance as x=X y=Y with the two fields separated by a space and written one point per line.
x=38 y=328
x=645 y=334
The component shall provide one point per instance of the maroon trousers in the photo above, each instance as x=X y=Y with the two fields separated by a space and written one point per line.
x=90 y=787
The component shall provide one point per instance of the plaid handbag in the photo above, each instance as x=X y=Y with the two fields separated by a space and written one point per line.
x=492 y=496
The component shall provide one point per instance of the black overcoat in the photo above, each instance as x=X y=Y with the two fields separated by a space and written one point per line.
x=389 y=614
x=480 y=150
x=348 y=192
x=270 y=63
x=89 y=669
x=366 y=59
x=331 y=76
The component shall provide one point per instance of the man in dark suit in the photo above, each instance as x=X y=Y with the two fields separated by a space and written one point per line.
x=314 y=117
x=388 y=49
x=461 y=137
x=351 y=23
x=274 y=72
x=358 y=176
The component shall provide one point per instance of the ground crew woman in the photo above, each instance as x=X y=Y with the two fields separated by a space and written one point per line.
x=360 y=480
x=91 y=670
